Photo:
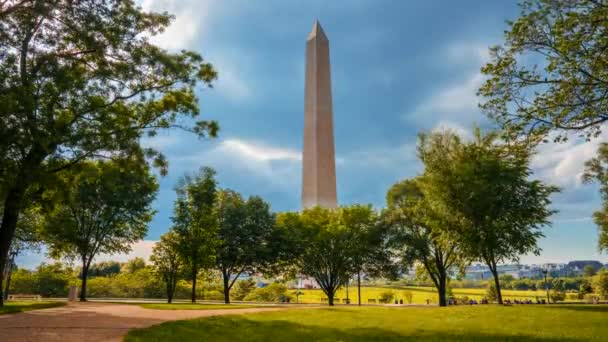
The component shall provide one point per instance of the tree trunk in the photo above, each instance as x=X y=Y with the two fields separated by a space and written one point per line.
x=226 y=287
x=193 y=295
x=170 y=290
x=12 y=206
x=442 y=291
x=330 y=298
x=8 y=278
x=497 y=283
x=359 y=287
x=83 y=283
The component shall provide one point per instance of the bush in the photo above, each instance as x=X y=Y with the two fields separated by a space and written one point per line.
x=591 y=298
x=557 y=296
x=601 y=284
x=242 y=288
x=491 y=292
x=387 y=296
x=409 y=296
x=271 y=293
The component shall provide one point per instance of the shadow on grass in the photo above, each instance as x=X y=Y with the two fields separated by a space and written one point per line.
x=581 y=307
x=238 y=328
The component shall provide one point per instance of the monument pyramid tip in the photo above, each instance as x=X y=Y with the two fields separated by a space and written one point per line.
x=317 y=31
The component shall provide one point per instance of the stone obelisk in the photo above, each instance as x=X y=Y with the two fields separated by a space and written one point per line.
x=318 y=159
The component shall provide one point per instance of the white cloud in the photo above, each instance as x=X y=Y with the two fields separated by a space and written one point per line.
x=259 y=152
x=141 y=249
x=467 y=52
x=192 y=19
x=230 y=81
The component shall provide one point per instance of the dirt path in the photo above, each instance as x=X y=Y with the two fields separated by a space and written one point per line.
x=92 y=322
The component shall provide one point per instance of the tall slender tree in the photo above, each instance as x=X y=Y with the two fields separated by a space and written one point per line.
x=167 y=262
x=79 y=80
x=195 y=222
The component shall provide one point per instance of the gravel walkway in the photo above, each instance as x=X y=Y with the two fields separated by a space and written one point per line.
x=92 y=322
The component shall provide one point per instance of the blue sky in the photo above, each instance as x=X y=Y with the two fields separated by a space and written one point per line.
x=398 y=68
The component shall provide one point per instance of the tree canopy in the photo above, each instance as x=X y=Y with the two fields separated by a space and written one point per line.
x=79 y=80
x=567 y=89
x=104 y=208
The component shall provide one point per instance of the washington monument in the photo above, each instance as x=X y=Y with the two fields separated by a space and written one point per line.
x=318 y=159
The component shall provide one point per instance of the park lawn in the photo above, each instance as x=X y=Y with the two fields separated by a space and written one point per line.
x=19 y=306
x=455 y=323
x=419 y=294
x=190 y=306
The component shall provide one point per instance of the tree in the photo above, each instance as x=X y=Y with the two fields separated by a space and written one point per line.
x=369 y=239
x=589 y=271
x=596 y=169
x=105 y=207
x=104 y=269
x=246 y=229
x=81 y=80
x=195 y=222
x=167 y=262
x=133 y=265
x=569 y=91
x=485 y=186
x=422 y=234
x=242 y=288
x=325 y=242
x=600 y=283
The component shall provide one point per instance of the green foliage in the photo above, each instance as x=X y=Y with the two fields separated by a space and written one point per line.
x=323 y=246
x=596 y=170
x=105 y=269
x=485 y=186
x=49 y=280
x=195 y=222
x=82 y=80
x=557 y=295
x=274 y=292
x=242 y=288
x=104 y=208
x=387 y=296
x=600 y=284
x=133 y=265
x=245 y=237
x=167 y=262
x=491 y=292
x=408 y=295
x=589 y=271
x=569 y=90
x=421 y=234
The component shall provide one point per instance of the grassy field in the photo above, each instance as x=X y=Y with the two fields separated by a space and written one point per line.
x=458 y=323
x=12 y=307
x=189 y=306
x=419 y=294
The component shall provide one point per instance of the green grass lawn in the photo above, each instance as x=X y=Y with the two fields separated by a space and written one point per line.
x=12 y=307
x=419 y=294
x=457 y=323
x=190 y=306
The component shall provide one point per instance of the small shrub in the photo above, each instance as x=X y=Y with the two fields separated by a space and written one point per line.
x=557 y=296
x=601 y=284
x=491 y=292
x=409 y=296
x=387 y=296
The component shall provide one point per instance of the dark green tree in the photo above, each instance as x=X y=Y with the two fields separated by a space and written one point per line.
x=326 y=247
x=568 y=90
x=195 y=222
x=79 y=80
x=246 y=229
x=423 y=235
x=167 y=262
x=486 y=187
x=105 y=207
x=596 y=170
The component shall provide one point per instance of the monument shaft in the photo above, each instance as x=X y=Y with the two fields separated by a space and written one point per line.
x=318 y=159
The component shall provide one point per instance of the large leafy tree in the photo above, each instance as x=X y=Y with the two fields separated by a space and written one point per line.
x=368 y=244
x=422 y=234
x=325 y=251
x=104 y=208
x=568 y=90
x=80 y=79
x=246 y=230
x=167 y=262
x=596 y=170
x=486 y=186
x=195 y=222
